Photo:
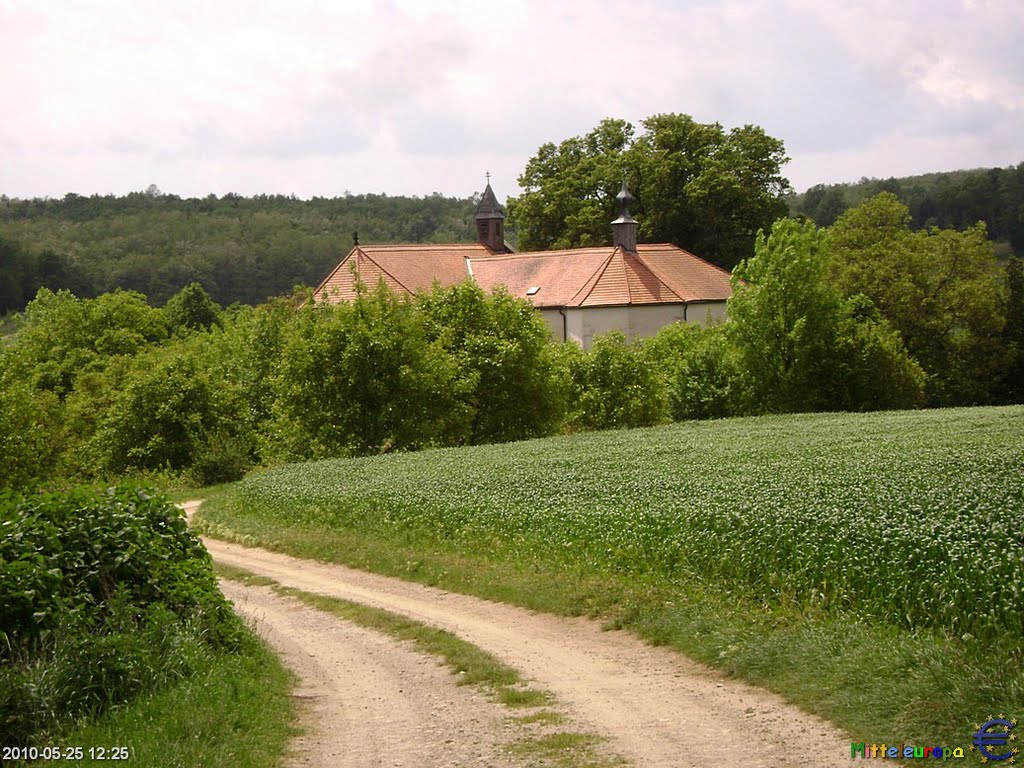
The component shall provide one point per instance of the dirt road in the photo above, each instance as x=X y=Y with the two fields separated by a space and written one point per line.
x=656 y=707
x=369 y=700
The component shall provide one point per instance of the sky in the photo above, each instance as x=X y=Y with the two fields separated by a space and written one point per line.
x=412 y=97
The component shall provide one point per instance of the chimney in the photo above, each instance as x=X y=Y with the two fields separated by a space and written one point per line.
x=490 y=221
x=624 y=227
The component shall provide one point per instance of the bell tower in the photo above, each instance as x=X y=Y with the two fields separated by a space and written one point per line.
x=490 y=221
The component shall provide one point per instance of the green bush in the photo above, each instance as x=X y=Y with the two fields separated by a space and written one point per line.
x=783 y=320
x=192 y=309
x=29 y=423
x=613 y=385
x=103 y=594
x=361 y=378
x=173 y=411
x=503 y=349
x=875 y=370
x=62 y=337
x=702 y=373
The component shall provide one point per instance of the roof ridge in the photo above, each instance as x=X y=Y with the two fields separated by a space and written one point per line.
x=378 y=266
x=380 y=246
x=657 y=277
x=547 y=254
x=622 y=254
x=592 y=282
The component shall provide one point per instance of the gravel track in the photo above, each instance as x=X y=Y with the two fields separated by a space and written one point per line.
x=656 y=707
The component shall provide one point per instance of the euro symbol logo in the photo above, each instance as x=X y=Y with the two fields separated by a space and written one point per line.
x=992 y=735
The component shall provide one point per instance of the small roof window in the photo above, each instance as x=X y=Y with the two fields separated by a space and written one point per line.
x=532 y=290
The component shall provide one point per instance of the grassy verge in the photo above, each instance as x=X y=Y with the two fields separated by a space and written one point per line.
x=473 y=666
x=594 y=524
x=236 y=712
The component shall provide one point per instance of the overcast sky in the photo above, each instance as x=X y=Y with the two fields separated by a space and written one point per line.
x=415 y=96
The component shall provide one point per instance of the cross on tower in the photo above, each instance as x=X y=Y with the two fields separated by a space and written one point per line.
x=488 y=175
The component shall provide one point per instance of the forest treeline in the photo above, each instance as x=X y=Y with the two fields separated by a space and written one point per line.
x=241 y=249
x=864 y=315
x=957 y=200
x=247 y=249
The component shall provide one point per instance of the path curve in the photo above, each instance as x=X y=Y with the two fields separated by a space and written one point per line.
x=371 y=700
x=657 y=707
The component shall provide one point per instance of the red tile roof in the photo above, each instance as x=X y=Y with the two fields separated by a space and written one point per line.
x=580 y=277
x=404 y=268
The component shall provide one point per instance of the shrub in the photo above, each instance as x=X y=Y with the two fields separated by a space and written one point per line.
x=173 y=411
x=192 y=309
x=363 y=378
x=103 y=594
x=875 y=370
x=29 y=423
x=504 y=353
x=783 y=320
x=614 y=386
x=702 y=374
x=62 y=337
x=67 y=555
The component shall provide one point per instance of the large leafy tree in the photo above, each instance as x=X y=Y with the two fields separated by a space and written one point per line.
x=697 y=185
x=943 y=291
x=361 y=378
x=803 y=346
x=503 y=351
x=192 y=309
x=61 y=337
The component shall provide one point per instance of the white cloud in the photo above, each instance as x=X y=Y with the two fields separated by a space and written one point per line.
x=412 y=97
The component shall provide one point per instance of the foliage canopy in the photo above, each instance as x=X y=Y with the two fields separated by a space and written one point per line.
x=697 y=185
x=943 y=290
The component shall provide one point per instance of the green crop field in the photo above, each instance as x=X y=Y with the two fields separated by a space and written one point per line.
x=866 y=566
x=914 y=518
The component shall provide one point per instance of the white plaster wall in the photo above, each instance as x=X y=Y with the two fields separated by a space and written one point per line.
x=706 y=312
x=554 y=320
x=584 y=323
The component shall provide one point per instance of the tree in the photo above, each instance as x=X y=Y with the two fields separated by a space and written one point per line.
x=698 y=186
x=23 y=272
x=62 y=337
x=702 y=372
x=362 y=378
x=875 y=370
x=192 y=309
x=504 y=352
x=942 y=290
x=784 y=319
x=613 y=385
x=171 y=410
x=802 y=346
x=29 y=423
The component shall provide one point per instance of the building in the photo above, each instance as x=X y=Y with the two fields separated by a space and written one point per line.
x=580 y=292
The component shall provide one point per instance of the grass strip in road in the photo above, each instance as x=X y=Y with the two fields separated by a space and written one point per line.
x=472 y=666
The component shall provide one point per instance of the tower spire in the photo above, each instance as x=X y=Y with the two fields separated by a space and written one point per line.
x=624 y=227
x=490 y=221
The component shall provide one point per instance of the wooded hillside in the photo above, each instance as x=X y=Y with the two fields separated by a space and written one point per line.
x=955 y=200
x=241 y=249
x=246 y=249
